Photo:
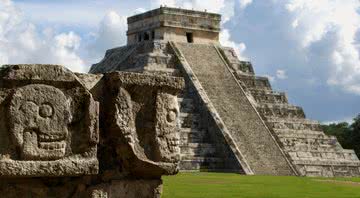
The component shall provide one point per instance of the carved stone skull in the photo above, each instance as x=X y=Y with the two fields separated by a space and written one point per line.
x=38 y=119
x=167 y=137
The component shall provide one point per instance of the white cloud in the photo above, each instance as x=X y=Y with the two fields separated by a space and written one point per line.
x=64 y=51
x=226 y=41
x=78 y=13
x=111 y=34
x=168 y=3
x=210 y=5
x=295 y=23
x=139 y=10
x=281 y=74
x=328 y=28
x=21 y=42
x=245 y=3
x=337 y=21
x=224 y=7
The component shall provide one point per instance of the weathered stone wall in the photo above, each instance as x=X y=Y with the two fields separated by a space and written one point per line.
x=83 y=135
x=172 y=24
x=146 y=57
x=120 y=54
x=49 y=124
x=179 y=35
x=310 y=151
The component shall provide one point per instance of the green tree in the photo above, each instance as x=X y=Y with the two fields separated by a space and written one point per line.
x=354 y=137
x=348 y=135
x=341 y=131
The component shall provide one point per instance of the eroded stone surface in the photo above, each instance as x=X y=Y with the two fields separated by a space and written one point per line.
x=142 y=116
x=51 y=123
x=39 y=116
x=49 y=131
x=167 y=112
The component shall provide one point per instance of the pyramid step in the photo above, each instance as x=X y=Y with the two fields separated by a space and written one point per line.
x=281 y=132
x=194 y=115
x=191 y=130
x=269 y=96
x=201 y=163
x=201 y=159
x=244 y=67
x=309 y=136
x=343 y=155
x=186 y=105
x=194 y=136
x=297 y=144
x=328 y=171
x=281 y=111
x=189 y=120
x=309 y=148
x=160 y=71
x=295 y=124
x=327 y=168
x=198 y=149
x=185 y=100
x=278 y=106
x=254 y=82
x=334 y=163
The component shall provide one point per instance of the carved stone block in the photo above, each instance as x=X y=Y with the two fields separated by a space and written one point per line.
x=141 y=122
x=48 y=123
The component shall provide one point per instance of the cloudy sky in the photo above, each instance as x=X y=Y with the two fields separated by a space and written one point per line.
x=308 y=48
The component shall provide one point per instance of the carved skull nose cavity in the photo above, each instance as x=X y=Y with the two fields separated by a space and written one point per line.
x=46 y=110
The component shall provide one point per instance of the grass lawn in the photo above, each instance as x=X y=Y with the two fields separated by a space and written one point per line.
x=210 y=185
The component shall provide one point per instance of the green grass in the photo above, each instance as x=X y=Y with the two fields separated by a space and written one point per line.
x=210 y=185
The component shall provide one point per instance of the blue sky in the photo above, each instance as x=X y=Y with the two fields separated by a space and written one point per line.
x=310 y=49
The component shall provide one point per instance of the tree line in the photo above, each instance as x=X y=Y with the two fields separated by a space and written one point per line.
x=347 y=134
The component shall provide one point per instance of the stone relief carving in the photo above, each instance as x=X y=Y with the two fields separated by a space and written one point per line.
x=51 y=145
x=38 y=118
x=145 y=115
x=49 y=125
x=168 y=142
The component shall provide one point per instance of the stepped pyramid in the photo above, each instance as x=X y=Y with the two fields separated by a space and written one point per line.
x=231 y=120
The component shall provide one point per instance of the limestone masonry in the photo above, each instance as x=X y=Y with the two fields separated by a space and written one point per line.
x=172 y=99
x=230 y=119
x=83 y=135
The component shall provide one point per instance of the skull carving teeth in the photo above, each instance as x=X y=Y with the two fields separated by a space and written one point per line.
x=51 y=138
x=52 y=145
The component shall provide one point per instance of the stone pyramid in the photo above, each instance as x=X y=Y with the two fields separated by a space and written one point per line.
x=231 y=120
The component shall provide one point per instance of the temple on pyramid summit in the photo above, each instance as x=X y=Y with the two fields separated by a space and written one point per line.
x=230 y=119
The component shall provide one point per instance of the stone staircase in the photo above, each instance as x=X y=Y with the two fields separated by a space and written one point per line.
x=198 y=151
x=244 y=126
x=311 y=151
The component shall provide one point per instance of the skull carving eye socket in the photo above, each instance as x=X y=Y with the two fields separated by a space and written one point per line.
x=46 y=110
x=29 y=107
x=171 y=115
